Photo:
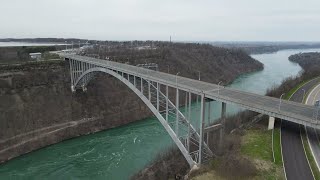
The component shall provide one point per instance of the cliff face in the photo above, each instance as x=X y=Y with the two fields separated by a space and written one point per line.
x=37 y=107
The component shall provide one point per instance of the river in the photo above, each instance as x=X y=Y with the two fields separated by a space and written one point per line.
x=120 y=152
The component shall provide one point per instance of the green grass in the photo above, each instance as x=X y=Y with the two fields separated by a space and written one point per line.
x=310 y=157
x=257 y=144
x=293 y=90
x=307 y=93
x=277 y=147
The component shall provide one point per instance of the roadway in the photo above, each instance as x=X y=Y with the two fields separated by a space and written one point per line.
x=313 y=134
x=295 y=112
x=294 y=159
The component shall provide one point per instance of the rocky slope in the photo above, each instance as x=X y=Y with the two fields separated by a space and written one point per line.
x=38 y=109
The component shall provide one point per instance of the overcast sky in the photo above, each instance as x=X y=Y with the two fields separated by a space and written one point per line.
x=193 y=20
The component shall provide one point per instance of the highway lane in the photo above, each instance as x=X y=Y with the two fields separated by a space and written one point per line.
x=313 y=134
x=295 y=162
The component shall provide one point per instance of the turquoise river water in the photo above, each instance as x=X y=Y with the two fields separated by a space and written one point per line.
x=120 y=152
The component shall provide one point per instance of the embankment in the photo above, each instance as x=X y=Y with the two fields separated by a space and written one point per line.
x=38 y=109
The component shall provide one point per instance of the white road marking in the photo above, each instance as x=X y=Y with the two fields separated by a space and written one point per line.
x=309 y=95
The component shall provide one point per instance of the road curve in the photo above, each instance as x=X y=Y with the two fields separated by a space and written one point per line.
x=294 y=158
x=313 y=134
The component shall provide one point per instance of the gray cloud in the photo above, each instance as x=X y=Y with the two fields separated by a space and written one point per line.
x=207 y=20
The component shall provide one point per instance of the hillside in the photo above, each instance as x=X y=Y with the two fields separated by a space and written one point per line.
x=267 y=47
x=214 y=63
x=307 y=60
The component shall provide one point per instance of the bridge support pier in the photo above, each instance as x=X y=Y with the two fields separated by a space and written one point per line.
x=209 y=111
x=177 y=112
x=223 y=122
x=271 y=123
x=84 y=88
x=73 y=89
x=189 y=122
x=202 y=115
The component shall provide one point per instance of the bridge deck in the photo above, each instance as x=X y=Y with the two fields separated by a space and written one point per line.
x=292 y=111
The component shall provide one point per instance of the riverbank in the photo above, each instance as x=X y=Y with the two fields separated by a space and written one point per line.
x=39 y=109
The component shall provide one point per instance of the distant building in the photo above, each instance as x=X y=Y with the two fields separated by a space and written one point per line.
x=35 y=56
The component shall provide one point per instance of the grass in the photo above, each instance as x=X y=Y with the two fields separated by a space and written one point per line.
x=257 y=145
x=277 y=146
x=310 y=157
x=307 y=93
x=293 y=90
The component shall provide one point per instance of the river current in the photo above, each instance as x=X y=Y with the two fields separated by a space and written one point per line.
x=120 y=152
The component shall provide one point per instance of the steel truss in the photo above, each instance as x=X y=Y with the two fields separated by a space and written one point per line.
x=156 y=96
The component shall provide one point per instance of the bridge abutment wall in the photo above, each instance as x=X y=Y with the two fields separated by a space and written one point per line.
x=271 y=123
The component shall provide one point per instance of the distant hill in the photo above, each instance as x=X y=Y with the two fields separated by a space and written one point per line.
x=307 y=60
x=215 y=63
x=267 y=47
x=258 y=47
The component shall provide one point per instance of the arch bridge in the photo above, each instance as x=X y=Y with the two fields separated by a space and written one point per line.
x=152 y=87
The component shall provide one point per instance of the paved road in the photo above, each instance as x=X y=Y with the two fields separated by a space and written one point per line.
x=291 y=111
x=313 y=134
x=295 y=162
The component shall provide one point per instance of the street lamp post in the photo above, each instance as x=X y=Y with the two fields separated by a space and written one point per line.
x=177 y=106
x=199 y=75
x=177 y=78
x=280 y=100
x=66 y=45
x=219 y=87
x=99 y=51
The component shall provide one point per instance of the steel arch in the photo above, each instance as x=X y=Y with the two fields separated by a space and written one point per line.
x=191 y=157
